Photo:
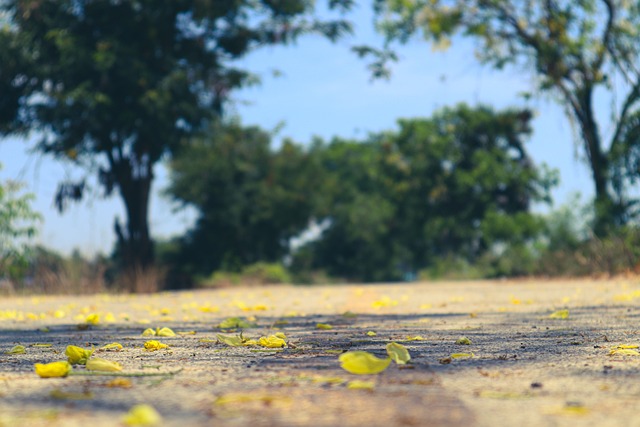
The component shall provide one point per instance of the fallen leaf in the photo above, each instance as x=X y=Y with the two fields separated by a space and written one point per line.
x=372 y=333
x=273 y=341
x=324 y=326
x=461 y=355
x=119 y=383
x=235 y=323
x=53 y=369
x=235 y=340
x=414 y=338
x=154 y=345
x=92 y=319
x=398 y=353
x=463 y=341
x=142 y=415
x=623 y=352
x=149 y=332
x=103 y=365
x=626 y=346
x=114 y=346
x=17 y=349
x=77 y=355
x=362 y=363
x=361 y=385
x=165 y=332
x=560 y=314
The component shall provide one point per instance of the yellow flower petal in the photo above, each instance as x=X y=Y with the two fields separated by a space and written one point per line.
x=627 y=346
x=18 y=349
x=142 y=415
x=398 y=353
x=103 y=365
x=53 y=369
x=149 y=332
x=154 y=345
x=165 y=332
x=77 y=355
x=272 y=341
x=560 y=314
x=324 y=326
x=362 y=363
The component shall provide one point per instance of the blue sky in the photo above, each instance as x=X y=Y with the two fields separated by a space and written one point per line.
x=325 y=90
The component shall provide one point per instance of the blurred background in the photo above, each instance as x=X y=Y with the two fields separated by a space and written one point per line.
x=212 y=143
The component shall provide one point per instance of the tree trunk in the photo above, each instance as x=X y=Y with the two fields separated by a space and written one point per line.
x=134 y=240
x=605 y=215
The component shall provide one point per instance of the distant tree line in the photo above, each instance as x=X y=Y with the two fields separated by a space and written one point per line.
x=459 y=184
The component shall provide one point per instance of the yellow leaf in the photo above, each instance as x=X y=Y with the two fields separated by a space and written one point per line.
x=362 y=363
x=273 y=341
x=77 y=355
x=114 y=346
x=53 y=369
x=324 y=326
x=280 y=335
x=119 y=383
x=361 y=385
x=235 y=341
x=149 y=332
x=349 y=315
x=103 y=365
x=626 y=346
x=235 y=323
x=165 y=332
x=372 y=333
x=18 y=349
x=560 y=314
x=93 y=319
x=463 y=341
x=461 y=355
x=623 y=352
x=398 y=353
x=154 y=345
x=142 y=415
x=414 y=338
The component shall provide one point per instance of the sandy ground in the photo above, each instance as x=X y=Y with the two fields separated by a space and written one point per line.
x=527 y=369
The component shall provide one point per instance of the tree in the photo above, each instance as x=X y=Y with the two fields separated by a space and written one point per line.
x=115 y=86
x=575 y=50
x=17 y=225
x=453 y=185
x=251 y=199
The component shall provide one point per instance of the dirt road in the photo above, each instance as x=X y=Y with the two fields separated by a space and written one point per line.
x=529 y=362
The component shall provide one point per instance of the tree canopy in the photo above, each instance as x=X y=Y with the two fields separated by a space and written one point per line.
x=251 y=198
x=578 y=51
x=457 y=184
x=114 y=86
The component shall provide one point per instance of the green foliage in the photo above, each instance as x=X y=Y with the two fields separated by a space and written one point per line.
x=115 y=86
x=455 y=185
x=252 y=199
x=18 y=224
x=573 y=50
